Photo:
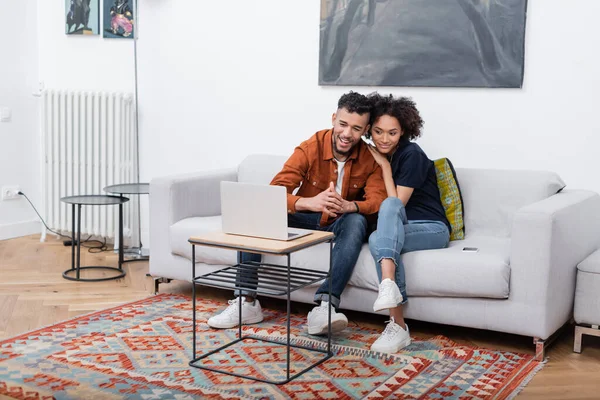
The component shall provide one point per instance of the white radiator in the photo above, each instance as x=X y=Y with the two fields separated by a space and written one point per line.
x=89 y=142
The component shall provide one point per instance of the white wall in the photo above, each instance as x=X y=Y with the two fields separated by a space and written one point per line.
x=35 y=49
x=19 y=144
x=220 y=80
x=81 y=62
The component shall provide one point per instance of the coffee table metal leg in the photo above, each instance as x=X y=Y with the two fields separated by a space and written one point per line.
x=288 y=315
x=329 y=311
x=239 y=259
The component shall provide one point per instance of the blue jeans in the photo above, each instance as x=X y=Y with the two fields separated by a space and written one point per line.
x=350 y=232
x=396 y=235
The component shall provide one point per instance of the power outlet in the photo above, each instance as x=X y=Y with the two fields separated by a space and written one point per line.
x=10 y=192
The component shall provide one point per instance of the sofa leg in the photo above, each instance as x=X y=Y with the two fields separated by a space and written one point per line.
x=540 y=349
x=542 y=344
x=158 y=280
x=582 y=330
x=577 y=343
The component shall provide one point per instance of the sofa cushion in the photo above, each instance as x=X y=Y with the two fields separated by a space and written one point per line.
x=450 y=197
x=492 y=197
x=182 y=230
x=449 y=272
x=445 y=272
x=591 y=264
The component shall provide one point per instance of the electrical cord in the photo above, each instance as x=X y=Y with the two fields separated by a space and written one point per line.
x=42 y=219
x=98 y=249
x=91 y=249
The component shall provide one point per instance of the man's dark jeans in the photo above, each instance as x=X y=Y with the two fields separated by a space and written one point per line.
x=350 y=232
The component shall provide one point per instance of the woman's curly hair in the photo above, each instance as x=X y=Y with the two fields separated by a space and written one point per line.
x=404 y=109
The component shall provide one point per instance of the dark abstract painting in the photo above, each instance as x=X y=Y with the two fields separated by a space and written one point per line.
x=82 y=17
x=447 y=43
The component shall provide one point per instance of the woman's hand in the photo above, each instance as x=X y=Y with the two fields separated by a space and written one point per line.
x=379 y=158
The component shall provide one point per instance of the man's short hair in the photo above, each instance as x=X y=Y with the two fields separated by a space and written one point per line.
x=355 y=103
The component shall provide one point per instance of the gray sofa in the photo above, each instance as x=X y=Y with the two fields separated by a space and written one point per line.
x=530 y=234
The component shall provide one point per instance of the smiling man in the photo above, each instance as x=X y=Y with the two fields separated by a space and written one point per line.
x=339 y=183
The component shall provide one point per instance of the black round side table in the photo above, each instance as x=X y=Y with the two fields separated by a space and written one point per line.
x=131 y=188
x=92 y=200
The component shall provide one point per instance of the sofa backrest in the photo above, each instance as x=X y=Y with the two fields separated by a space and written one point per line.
x=491 y=197
x=260 y=168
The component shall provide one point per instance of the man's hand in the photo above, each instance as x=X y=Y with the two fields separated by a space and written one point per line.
x=328 y=202
x=346 y=206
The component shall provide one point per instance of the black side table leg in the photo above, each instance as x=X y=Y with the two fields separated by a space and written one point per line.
x=329 y=310
x=73 y=236
x=78 y=239
x=121 y=236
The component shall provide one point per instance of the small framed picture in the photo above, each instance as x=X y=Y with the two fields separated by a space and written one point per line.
x=119 y=19
x=82 y=17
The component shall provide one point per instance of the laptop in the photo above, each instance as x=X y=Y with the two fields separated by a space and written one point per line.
x=249 y=209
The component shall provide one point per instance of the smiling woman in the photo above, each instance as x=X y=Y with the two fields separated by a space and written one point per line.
x=412 y=217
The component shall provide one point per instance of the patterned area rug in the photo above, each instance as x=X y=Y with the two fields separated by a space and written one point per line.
x=141 y=350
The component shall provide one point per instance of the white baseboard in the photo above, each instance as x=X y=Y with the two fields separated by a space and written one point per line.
x=10 y=231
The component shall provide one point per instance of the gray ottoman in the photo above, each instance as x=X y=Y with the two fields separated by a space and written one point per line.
x=587 y=299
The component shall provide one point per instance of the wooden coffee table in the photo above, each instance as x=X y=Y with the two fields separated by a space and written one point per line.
x=273 y=279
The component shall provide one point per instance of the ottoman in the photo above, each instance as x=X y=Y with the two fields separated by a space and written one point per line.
x=587 y=299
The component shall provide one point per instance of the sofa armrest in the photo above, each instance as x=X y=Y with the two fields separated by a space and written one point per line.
x=549 y=238
x=174 y=198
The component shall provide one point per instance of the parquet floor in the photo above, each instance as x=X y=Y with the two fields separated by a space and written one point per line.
x=33 y=294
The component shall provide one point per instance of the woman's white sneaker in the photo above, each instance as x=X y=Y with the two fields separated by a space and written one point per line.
x=393 y=339
x=389 y=295
x=229 y=317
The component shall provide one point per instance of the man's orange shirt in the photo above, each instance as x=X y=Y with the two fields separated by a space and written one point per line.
x=312 y=167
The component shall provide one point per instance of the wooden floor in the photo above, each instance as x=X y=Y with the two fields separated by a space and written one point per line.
x=33 y=294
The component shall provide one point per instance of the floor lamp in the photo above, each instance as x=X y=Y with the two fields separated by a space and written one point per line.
x=137 y=118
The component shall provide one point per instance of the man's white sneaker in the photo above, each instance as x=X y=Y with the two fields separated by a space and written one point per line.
x=229 y=318
x=393 y=339
x=389 y=295
x=317 y=320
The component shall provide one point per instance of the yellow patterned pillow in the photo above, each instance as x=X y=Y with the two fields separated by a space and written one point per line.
x=451 y=197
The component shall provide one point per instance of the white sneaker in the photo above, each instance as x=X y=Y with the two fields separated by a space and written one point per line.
x=389 y=295
x=317 y=320
x=393 y=339
x=229 y=318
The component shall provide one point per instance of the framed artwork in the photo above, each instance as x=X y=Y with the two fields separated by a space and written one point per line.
x=442 y=43
x=82 y=17
x=119 y=19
